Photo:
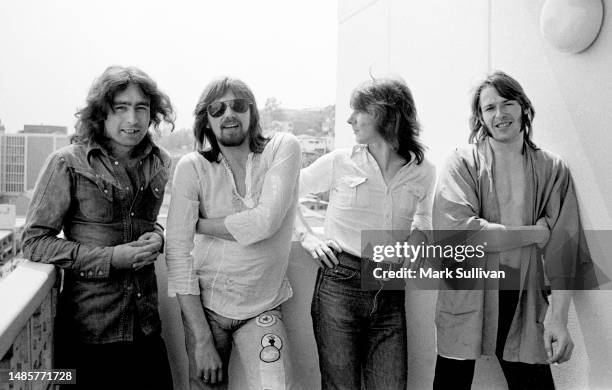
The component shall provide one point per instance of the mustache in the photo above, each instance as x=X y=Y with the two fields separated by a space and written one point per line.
x=230 y=121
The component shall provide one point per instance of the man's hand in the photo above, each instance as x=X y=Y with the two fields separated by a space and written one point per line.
x=154 y=237
x=543 y=232
x=205 y=365
x=557 y=341
x=137 y=254
x=321 y=251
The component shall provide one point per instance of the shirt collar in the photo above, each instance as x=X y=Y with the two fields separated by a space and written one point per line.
x=146 y=147
x=359 y=148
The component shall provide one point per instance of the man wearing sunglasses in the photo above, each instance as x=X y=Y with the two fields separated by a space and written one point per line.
x=239 y=193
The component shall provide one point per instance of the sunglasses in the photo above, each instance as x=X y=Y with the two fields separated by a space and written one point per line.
x=217 y=109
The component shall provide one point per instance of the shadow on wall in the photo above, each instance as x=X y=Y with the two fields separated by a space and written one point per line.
x=592 y=309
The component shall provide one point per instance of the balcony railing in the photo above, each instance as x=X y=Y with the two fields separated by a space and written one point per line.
x=27 y=309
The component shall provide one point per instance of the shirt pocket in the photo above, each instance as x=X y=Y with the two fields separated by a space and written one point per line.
x=94 y=196
x=352 y=191
x=152 y=197
x=408 y=199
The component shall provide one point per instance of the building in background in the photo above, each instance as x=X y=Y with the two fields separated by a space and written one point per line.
x=314 y=147
x=44 y=129
x=22 y=156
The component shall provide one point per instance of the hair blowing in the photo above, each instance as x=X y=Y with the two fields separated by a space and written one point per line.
x=394 y=110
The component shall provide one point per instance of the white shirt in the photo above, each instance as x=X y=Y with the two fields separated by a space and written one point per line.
x=361 y=200
x=243 y=278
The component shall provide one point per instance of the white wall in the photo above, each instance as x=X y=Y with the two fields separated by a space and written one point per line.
x=572 y=97
x=362 y=48
x=442 y=48
x=438 y=46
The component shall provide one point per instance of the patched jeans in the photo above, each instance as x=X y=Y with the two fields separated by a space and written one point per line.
x=262 y=348
x=361 y=335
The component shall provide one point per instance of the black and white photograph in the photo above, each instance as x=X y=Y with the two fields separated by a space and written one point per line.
x=324 y=194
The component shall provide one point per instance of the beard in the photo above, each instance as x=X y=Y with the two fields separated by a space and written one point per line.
x=232 y=139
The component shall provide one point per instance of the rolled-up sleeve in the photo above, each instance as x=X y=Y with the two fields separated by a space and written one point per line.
x=317 y=177
x=180 y=229
x=44 y=221
x=277 y=196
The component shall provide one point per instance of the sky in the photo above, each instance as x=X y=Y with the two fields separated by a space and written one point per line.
x=51 y=51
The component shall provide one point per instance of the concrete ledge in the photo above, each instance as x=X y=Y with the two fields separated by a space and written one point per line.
x=22 y=292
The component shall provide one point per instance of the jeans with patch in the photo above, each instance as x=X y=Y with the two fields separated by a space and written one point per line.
x=262 y=347
x=361 y=335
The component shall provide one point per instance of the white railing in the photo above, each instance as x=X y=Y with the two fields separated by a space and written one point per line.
x=22 y=293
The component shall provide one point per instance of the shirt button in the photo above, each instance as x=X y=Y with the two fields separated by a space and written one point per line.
x=116 y=162
x=141 y=188
x=156 y=190
x=132 y=214
x=139 y=295
x=127 y=188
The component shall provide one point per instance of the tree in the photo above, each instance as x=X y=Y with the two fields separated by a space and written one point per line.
x=272 y=104
x=273 y=111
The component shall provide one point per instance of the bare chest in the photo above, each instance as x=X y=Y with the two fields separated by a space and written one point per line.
x=239 y=175
x=510 y=187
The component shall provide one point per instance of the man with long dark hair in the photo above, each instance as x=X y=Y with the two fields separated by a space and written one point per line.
x=104 y=192
x=382 y=183
x=520 y=200
x=239 y=192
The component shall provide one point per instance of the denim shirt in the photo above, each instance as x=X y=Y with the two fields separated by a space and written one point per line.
x=88 y=194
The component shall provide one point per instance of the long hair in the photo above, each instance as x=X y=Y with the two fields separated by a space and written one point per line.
x=203 y=133
x=99 y=102
x=392 y=104
x=508 y=88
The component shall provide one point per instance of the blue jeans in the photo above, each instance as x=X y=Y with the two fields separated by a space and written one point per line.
x=361 y=335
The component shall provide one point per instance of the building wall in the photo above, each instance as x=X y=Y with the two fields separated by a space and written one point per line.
x=22 y=156
x=572 y=98
x=12 y=167
x=45 y=129
x=442 y=48
x=37 y=151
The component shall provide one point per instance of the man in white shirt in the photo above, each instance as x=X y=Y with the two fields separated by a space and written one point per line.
x=384 y=184
x=239 y=192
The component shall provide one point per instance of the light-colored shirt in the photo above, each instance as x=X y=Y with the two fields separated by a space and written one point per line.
x=361 y=200
x=243 y=278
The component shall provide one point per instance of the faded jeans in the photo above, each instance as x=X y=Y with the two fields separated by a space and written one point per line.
x=262 y=347
x=361 y=335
